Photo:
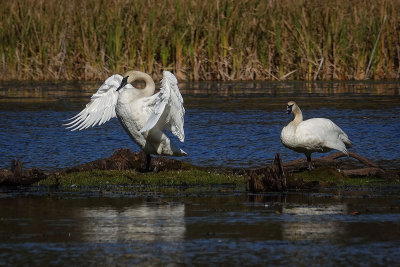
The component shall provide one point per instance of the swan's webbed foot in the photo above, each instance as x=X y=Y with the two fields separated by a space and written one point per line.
x=310 y=166
x=157 y=165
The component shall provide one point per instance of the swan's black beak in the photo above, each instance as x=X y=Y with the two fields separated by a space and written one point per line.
x=289 y=109
x=123 y=83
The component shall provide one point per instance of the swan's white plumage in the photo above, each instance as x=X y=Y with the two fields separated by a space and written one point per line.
x=144 y=115
x=101 y=107
x=169 y=105
x=315 y=135
x=312 y=135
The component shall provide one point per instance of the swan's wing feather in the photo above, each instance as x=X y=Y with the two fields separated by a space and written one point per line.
x=101 y=107
x=168 y=111
x=323 y=132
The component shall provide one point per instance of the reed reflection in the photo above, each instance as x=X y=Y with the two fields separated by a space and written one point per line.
x=302 y=219
x=311 y=222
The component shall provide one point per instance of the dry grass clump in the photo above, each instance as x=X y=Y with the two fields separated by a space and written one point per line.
x=200 y=40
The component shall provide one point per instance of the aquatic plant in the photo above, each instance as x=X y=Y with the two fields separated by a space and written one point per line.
x=200 y=40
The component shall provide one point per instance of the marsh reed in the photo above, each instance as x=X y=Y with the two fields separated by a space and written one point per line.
x=200 y=40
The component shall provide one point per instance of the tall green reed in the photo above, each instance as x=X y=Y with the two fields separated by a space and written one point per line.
x=200 y=40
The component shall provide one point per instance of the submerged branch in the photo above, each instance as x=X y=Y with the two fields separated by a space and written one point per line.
x=263 y=180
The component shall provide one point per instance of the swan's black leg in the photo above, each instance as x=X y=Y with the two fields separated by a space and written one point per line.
x=148 y=161
x=309 y=162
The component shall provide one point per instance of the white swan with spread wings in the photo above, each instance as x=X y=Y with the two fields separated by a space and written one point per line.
x=143 y=114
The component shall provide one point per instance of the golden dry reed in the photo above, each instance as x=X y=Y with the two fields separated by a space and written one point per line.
x=200 y=40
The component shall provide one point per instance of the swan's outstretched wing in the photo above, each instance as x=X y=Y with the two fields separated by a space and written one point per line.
x=168 y=111
x=101 y=107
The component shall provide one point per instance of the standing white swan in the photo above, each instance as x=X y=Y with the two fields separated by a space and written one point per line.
x=143 y=114
x=312 y=135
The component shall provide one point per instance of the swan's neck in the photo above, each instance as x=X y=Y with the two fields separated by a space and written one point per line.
x=297 y=116
x=148 y=90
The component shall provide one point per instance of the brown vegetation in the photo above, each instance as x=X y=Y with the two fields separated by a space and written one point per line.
x=200 y=40
x=125 y=159
x=122 y=159
x=269 y=179
x=18 y=176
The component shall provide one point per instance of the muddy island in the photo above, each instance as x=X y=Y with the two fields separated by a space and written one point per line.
x=126 y=167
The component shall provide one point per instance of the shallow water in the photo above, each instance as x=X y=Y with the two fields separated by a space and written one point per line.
x=233 y=228
x=226 y=124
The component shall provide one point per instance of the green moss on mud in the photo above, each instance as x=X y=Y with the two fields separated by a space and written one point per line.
x=192 y=177
x=201 y=178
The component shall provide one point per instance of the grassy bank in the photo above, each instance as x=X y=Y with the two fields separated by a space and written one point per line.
x=190 y=177
x=200 y=40
x=196 y=178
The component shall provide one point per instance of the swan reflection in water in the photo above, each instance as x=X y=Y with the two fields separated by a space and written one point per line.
x=147 y=222
x=299 y=220
x=309 y=222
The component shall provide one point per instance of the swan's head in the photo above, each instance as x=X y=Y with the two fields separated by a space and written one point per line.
x=291 y=107
x=129 y=77
x=133 y=75
x=123 y=83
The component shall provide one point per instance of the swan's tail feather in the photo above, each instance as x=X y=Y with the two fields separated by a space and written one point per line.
x=180 y=153
x=345 y=139
x=345 y=151
x=338 y=145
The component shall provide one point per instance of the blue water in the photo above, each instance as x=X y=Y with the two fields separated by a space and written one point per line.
x=295 y=229
x=226 y=124
x=234 y=130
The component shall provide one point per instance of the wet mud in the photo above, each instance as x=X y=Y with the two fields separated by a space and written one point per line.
x=277 y=177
